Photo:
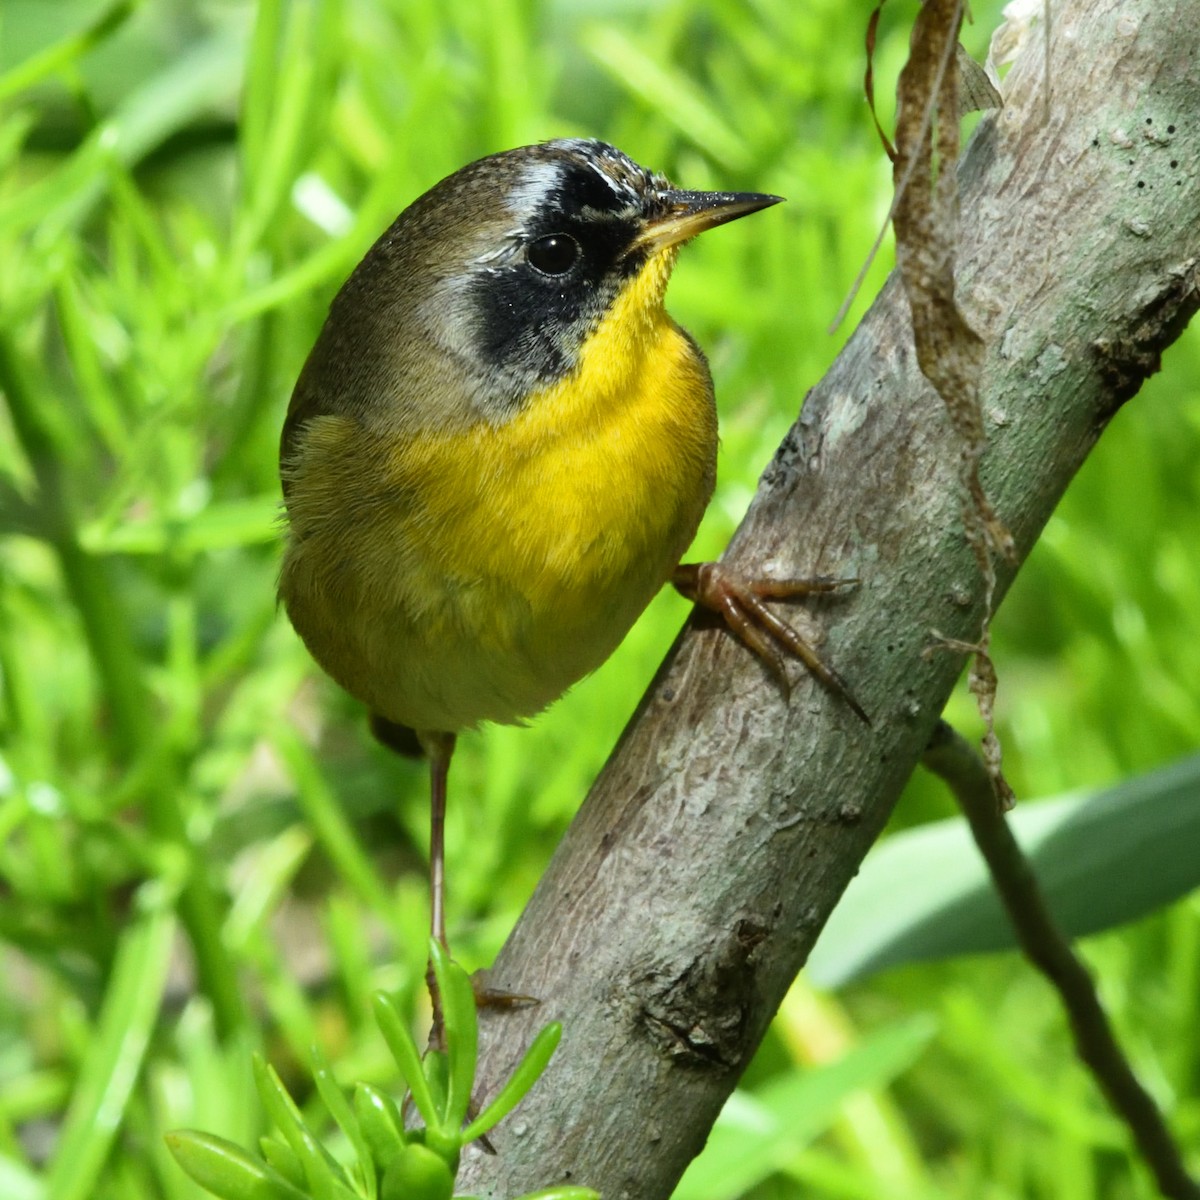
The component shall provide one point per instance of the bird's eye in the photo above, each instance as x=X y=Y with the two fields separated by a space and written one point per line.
x=554 y=255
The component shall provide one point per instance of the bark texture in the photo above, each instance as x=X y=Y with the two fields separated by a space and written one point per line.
x=691 y=886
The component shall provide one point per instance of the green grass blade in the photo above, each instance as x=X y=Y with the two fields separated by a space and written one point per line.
x=166 y=104
x=258 y=90
x=65 y=53
x=115 y=1055
x=756 y=1135
x=219 y=526
x=333 y=828
x=670 y=92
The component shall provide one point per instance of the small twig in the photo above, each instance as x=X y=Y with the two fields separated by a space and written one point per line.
x=951 y=757
x=914 y=161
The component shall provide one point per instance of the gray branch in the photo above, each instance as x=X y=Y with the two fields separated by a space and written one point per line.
x=692 y=884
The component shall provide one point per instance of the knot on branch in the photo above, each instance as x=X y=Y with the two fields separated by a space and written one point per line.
x=1128 y=359
x=702 y=1016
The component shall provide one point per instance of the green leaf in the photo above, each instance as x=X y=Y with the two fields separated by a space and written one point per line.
x=527 y=1072
x=443 y=1136
x=462 y=1033
x=1101 y=858
x=757 y=1134
x=408 y=1057
x=227 y=1170
x=282 y=1158
x=321 y=1170
x=343 y=1115
x=381 y=1123
x=418 y=1174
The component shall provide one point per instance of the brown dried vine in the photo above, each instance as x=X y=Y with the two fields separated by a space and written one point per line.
x=950 y=353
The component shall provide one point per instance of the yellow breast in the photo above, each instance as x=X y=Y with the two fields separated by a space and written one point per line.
x=516 y=555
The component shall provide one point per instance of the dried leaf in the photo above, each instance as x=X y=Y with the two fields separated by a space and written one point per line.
x=976 y=91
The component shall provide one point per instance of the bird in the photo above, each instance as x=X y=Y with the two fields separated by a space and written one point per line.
x=499 y=449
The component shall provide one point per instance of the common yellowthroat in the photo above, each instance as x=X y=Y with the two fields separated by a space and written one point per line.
x=501 y=445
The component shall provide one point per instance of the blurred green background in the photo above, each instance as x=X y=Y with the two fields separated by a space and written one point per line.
x=186 y=804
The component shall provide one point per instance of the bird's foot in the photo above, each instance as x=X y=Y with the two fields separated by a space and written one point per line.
x=740 y=601
x=486 y=997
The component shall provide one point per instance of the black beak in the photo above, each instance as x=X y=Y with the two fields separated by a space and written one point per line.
x=682 y=215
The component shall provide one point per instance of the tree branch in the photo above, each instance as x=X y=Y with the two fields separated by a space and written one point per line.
x=956 y=762
x=692 y=884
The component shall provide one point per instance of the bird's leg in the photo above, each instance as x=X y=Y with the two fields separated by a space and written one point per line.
x=739 y=600
x=440 y=748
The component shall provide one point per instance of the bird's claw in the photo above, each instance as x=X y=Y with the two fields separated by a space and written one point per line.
x=740 y=601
